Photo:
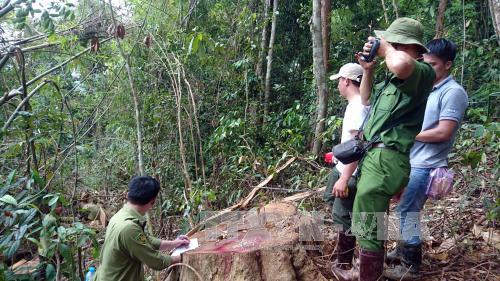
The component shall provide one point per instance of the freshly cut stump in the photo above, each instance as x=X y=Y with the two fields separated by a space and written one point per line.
x=266 y=244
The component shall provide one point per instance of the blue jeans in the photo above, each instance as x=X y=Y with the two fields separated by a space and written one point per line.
x=411 y=204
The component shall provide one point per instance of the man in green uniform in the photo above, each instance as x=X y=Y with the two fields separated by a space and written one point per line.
x=398 y=106
x=126 y=246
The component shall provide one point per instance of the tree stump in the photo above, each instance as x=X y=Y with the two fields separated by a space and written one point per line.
x=262 y=244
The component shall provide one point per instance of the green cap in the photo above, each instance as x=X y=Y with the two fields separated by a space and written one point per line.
x=404 y=31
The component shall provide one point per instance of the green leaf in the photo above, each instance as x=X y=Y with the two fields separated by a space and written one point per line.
x=20 y=233
x=9 y=200
x=10 y=178
x=479 y=131
x=13 y=248
x=28 y=217
x=38 y=180
x=50 y=272
x=53 y=201
x=34 y=241
x=65 y=252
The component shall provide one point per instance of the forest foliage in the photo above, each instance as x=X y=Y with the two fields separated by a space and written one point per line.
x=189 y=76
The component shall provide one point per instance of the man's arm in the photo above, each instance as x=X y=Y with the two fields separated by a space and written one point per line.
x=136 y=242
x=442 y=133
x=453 y=106
x=365 y=87
x=340 y=186
x=398 y=62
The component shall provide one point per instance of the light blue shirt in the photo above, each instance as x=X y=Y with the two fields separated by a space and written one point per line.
x=447 y=101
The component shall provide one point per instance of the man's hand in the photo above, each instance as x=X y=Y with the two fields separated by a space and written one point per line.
x=383 y=48
x=182 y=240
x=176 y=259
x=167 y=245
x=367 y=66
x=340 y=188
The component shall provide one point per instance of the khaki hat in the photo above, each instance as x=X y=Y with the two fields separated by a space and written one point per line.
x=404 y=31
x=352 y=71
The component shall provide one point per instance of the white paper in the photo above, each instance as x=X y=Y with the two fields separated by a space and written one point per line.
x=193 y=244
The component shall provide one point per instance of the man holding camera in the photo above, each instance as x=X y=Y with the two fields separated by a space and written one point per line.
x=126 y=245
x=398 y=106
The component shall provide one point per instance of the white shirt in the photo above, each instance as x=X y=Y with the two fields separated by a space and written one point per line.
x=354 y=115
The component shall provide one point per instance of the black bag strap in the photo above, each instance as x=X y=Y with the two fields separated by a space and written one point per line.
x=360 y=130
x=385 y=128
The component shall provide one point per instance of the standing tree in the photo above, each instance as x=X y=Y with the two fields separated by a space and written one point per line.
x=386 y=17
x=263 y=41
x=440 y=19
x=396 y=8
x=495 y=16
x=319 y=75
x=119 y=33
x=267 y=92
x=326 y=6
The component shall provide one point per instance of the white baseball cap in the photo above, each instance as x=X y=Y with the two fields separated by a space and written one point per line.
x=352 y=71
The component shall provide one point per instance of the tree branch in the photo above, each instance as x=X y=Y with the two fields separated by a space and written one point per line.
x=16 y=92
x=9 y=7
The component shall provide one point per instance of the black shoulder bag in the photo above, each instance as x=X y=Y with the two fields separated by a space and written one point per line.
x=354 y=149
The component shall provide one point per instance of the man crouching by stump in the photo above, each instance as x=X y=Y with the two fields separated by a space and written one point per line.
x=126 y=245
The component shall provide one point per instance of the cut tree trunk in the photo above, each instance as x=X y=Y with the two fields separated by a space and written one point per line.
x=261 y=244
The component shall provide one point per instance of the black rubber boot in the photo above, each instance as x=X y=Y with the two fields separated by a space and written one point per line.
x=371 y=265
x=410 y=264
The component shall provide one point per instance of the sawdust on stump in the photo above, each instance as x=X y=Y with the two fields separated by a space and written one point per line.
x=269 y=243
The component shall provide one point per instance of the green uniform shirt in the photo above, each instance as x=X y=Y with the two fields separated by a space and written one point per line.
x=127 y=247
x=402 y=101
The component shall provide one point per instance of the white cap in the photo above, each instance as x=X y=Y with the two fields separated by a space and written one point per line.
x=352 y=71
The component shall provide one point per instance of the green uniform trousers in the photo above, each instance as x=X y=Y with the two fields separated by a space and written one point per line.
x=384 y=172
x=341 y=207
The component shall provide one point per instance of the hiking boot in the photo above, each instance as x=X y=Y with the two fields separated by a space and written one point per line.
x=410 y=264
x=343 y=254
x=371 y=265
x=396 y=254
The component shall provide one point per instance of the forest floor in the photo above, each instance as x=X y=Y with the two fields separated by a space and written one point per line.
x=460 y=242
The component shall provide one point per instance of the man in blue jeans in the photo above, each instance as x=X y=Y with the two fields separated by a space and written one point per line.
x=444 y=112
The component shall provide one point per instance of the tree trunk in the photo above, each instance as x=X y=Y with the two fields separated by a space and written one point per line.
x=495 y=16
x=262 y=244
x=396 y=8
x=319 y=75
x=384 y=7
x=326 y=6
x=263 y=43
x=267 y=92
x=135 y=98
x=440 y=19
